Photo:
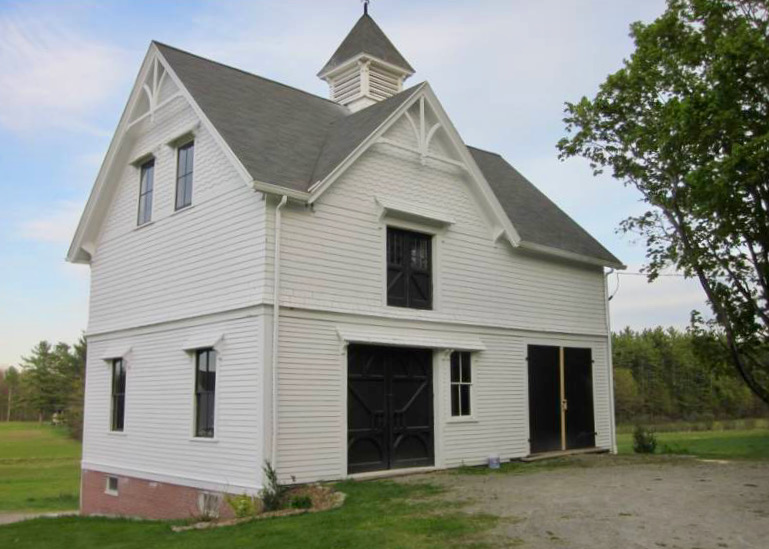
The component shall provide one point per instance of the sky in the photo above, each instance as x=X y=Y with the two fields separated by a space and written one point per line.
x=501 y=68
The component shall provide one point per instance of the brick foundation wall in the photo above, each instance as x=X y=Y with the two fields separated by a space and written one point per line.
x=142 y=498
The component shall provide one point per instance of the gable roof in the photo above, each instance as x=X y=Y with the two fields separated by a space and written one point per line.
x=291 y=139
x=366 y=37
x=536 y=218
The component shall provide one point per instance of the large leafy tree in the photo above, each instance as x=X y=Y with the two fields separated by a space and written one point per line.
x=686 y=122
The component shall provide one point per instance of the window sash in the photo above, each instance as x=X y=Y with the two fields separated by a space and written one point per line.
x=205 y=392
x=184 y=164
x=409 y=269
x=146 y=188
x=117 y=420
x=461 y=384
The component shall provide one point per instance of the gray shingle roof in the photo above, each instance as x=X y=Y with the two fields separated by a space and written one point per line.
x=536 y=218
x=291 y=138
x=366 y=37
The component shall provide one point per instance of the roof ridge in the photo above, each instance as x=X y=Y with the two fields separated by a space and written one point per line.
x=209 y=60
x=484 y=150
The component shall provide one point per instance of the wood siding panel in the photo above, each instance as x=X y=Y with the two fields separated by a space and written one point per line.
x=160 y=402
x=199 y=260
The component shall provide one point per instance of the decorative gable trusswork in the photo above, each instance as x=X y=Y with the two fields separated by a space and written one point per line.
x=366 y=67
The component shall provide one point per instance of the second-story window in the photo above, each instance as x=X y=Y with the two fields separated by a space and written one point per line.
x=184 y=162
x=146 y=185
x=409 y=269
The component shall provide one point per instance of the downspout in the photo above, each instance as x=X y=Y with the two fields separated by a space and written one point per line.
x=610 y=362
x=275 y=332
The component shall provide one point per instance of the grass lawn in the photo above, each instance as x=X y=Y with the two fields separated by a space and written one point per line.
x=378 y=514
x=39 y=468
x=742 y=444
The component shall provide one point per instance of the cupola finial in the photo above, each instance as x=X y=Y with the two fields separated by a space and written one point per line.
x=365 y=7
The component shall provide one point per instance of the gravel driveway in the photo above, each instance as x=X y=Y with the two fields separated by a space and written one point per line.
x=622 y=503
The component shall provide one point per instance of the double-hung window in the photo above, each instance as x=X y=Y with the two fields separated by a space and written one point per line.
x=409 y=269
x=184 y=161
x=461 y=384
x=205 y=392
x=118 y=395
x=146 y=185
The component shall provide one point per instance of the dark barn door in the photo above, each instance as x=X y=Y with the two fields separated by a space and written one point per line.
x=578 y=383
x=561 y=413
x=544 y=399
x=389 y=408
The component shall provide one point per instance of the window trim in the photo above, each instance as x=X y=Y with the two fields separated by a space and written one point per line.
x=433 y=239
x=113 y=395
x=196 y=353
x=186 y=144
x=461 y=356
x=112 y=491
x=147 y=162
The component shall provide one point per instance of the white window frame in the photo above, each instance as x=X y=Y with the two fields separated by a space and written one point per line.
x=109 y=491
x=191 y=347
x=462 y=418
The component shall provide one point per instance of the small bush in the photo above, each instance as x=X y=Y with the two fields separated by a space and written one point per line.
x=644 y=440
x=301 y=502
x=674 y=449
x=243 y=506
x=273 y=491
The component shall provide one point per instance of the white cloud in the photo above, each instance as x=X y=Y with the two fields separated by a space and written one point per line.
x=51 y=76
x=56 y=227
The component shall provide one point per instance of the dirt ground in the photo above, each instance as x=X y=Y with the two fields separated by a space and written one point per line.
x=622 y=503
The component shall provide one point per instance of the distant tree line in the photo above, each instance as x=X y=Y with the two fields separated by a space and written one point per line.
x=667 y=375
x=48 y=384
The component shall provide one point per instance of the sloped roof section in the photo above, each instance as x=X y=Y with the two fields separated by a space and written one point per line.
x=346 y=134
x=366 y=37
x=276 y=131
x=536 y=218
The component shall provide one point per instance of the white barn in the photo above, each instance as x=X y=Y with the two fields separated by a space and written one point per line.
x=335 y=286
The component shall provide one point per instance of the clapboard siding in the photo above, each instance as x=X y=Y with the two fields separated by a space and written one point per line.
x=157 y=439
x=204 y=259
x=333 y=256
x=312 y=394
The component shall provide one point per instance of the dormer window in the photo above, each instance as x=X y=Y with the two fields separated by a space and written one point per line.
x=146 y=185
x=185 y=157
x=409 y=269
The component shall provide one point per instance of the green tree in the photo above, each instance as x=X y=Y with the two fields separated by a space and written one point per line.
x=626 y=396
x=686 y=122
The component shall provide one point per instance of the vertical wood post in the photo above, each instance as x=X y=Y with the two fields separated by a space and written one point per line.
x=561 y=365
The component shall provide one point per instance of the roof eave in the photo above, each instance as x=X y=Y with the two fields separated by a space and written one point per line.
x=327 y=72
x=572 y=256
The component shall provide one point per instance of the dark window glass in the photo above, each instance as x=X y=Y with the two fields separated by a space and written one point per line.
x=146 y=185
x=461 y=383
x=205 y=392
x=409 y=269
x=118 y=394
x=184 y=163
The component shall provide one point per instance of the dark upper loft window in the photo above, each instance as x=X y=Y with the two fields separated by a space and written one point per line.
x=146 y=184
x=184 y=161
x=118 y=394
x=205 y=392
x=409 y=269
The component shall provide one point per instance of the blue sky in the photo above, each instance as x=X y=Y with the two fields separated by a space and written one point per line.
x=502 y=69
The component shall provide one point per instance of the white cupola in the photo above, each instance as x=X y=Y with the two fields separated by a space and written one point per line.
x=366 y=67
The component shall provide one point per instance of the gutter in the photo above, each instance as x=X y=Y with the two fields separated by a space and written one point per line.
x=610 y=362
x=275 y=331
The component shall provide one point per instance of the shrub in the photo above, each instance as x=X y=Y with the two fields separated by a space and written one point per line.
x=644 y=440
x=273 y=491
x=242 y=506
x=301 y=502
